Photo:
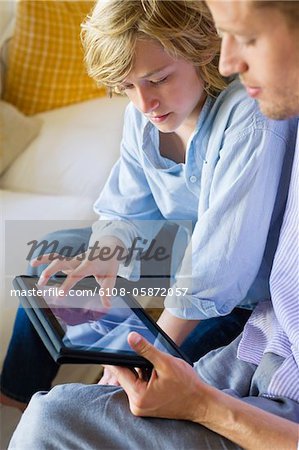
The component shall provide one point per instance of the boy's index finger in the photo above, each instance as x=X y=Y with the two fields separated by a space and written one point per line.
x=77 y=274
x=70 y=282
x=44 y=259
x=48 y=272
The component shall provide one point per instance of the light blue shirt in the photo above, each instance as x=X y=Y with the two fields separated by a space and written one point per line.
x=227 y=188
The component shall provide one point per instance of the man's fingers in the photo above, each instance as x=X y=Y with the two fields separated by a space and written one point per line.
x=143 y=348
x=126 y=377
x=108 y=378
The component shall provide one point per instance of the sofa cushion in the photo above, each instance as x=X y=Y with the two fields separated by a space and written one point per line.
x=21 y=206
x=74 y=152
x=16 y=132
x=45 y=64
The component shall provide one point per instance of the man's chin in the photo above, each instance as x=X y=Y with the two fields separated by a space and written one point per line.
x=277 y=112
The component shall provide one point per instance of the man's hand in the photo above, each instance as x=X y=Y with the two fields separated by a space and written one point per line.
x=108 y=378
x=174 y=391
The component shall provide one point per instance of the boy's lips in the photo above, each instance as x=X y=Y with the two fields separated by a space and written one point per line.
x=159 y=119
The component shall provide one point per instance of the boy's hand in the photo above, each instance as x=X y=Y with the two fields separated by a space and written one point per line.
x=174 y=390
x=81 y=266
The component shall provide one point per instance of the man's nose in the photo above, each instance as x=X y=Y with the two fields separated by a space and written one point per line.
x=147 y=100
x=231 y=60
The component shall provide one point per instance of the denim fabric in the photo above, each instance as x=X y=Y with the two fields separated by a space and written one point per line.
x=214 y=333
x=28 y=366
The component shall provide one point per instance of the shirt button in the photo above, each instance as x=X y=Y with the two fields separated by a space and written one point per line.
x=193 y=179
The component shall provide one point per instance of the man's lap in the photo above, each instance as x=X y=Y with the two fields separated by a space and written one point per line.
x=77 y=416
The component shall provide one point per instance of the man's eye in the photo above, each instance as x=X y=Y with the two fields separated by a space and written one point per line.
x=250 y=42
x=220 y=33
x=162 y=80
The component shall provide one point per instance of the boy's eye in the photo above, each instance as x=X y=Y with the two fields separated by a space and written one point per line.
x=160 y=81
x=123 y=87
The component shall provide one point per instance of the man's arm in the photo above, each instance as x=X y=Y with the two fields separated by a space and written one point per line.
x=175 y=391
x=248 y=426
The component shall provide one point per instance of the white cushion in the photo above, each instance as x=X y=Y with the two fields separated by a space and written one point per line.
x=25 y=217
x=74 y=152
x=12 y=143
x=28 y=206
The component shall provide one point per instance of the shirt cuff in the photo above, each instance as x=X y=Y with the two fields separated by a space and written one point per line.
x=193 y=308
x=129 y=269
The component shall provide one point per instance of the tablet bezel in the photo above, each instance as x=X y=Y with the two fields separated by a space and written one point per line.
x=50 y=331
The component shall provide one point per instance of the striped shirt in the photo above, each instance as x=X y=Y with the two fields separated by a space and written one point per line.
x=274 y=327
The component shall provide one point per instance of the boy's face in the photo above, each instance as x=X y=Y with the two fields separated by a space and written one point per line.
x=259 y=44
x=167 y=91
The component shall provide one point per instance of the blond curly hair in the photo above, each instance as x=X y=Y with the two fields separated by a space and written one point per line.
x=184 y=28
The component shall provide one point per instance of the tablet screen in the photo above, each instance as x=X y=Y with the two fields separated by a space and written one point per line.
x=88 y=326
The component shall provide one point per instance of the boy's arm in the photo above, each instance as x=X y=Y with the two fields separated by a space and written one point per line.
x=176 y=328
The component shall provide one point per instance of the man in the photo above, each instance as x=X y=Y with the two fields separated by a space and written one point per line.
x=251 y=400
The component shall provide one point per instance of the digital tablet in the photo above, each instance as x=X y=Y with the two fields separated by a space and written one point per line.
x=76 y=328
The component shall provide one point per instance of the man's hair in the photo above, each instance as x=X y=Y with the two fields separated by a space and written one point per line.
x=290 y=9
x=184 y=28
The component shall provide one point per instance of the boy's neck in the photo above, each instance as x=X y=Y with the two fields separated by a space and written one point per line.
x=172 y=146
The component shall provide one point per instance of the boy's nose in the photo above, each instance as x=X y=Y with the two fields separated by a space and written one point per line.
x=147 y=102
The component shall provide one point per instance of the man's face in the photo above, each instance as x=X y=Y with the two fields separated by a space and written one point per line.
x=259 y=44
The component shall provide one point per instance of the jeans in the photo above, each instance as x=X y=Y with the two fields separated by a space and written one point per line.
x=214 y=333
x=28 y=367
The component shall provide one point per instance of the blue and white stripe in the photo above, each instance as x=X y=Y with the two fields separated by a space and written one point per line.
x=275 y=327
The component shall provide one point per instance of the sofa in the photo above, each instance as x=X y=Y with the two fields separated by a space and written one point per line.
x=54 y=164
x=52 y=182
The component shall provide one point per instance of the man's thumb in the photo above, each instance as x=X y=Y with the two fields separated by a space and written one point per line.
x=144 y=348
